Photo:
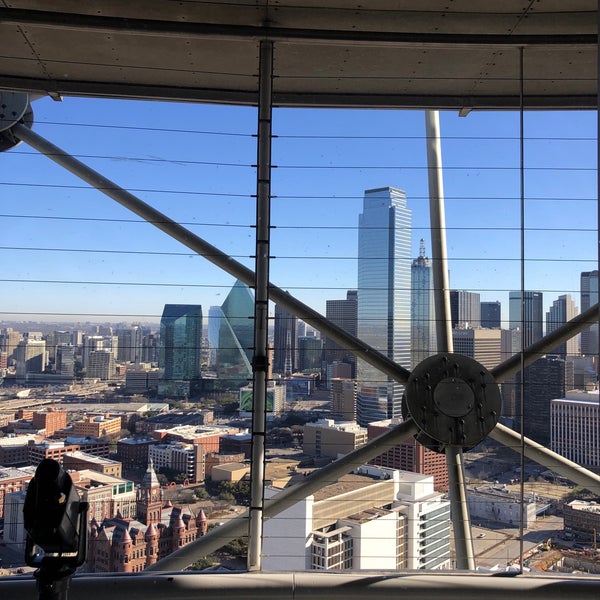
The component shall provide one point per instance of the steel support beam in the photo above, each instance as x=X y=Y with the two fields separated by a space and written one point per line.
x=459 y=509
x=547 y=458
x=260 y=359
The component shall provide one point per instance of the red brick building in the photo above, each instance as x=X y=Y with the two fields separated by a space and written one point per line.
x=410 y=455
x=129 y=546
x=51 y=420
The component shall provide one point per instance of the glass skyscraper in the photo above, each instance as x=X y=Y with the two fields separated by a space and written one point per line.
x=180 y=349
x=231 y=334
x=422 y=309
x=384 y=298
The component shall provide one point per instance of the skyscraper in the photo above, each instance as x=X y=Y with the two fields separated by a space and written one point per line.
x=285 y=360
x=491 y=314
x=180 y=349
x=561 y=311
x=533 y=314
x=465 y=309
x=422 y=309
x=233 y=333
x=589 y=297
x=344 y=314
x=384 y=297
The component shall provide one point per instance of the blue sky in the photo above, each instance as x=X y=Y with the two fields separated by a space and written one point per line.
x=69 y=250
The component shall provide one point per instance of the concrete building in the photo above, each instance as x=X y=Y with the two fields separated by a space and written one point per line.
x=410 y=455
x=575 y=427
x=582 y=517
x=465 y=309
x=484 y=345
x=31 y=357
x=562 y=310
x=329 y=438
x=497 y=504
x=107 y=495
x=376 y=519
x=100 y=365
x=12 y=480
x=344 y=314
x=79 y=461
x=181 y=457
x=98 y=426
x=230 y=472
x=343 y=398
x=526 y=313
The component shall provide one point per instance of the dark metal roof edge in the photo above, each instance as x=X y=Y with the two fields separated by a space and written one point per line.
x=296 y=99
x=237 y=32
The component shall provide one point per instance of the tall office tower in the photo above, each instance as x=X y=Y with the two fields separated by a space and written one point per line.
x=65 y=360
x=285 y=360
x=561 y=311
x=150 y=348
x=422 y=309
x=91 y=343
x=533 y=315
x=130 y=344
x=384 y=295
x=101 y=365
x=31 y=357
x=589 y=297
x=465 y=309
x=9 y=340
x=310 y=351
x=233 y=335
x=543 y=382
x=342 y=313
x=180 y=349
x=491 y=315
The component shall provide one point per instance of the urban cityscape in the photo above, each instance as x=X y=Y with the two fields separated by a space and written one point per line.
x=152 y=421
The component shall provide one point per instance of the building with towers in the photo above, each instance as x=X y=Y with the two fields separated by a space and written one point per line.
x=180 y=349
x=384 y=297
x=125 y=545
x=422 y=309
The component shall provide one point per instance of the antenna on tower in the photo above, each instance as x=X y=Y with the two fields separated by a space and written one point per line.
x=422 y=248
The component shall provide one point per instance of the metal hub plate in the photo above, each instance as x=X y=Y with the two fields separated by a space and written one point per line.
x=453 y=400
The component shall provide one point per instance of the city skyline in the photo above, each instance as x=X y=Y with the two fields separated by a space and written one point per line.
x=68 y=250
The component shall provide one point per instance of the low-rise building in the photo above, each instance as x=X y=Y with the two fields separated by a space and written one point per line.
x=582 y=516
x=78 y=461
x=498 y=504
x=329 y=438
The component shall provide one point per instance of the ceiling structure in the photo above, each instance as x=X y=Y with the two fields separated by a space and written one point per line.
x=444 y=54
